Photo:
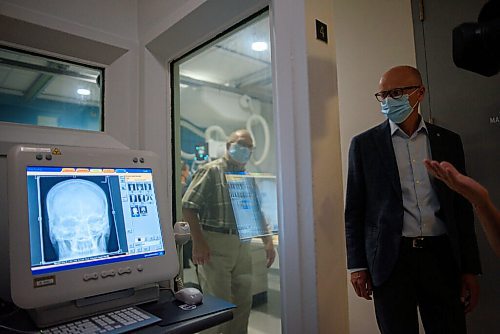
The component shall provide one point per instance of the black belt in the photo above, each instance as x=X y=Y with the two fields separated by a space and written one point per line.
x=424 y=242
x=225 y=230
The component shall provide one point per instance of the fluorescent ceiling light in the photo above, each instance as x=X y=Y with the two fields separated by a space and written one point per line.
x=259 y=46
x=83 y=91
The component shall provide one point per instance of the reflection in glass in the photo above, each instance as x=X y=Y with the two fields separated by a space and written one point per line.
x=44 y=91
x=220 y=87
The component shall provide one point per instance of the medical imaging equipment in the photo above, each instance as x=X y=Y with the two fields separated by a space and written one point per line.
x=87 y=230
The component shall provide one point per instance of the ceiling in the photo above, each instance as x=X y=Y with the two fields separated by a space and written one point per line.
x=230 y=63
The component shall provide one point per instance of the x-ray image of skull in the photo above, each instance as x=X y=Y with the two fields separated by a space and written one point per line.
x=78 y=219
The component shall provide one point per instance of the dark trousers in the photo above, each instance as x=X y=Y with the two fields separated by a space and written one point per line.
x=426 y=278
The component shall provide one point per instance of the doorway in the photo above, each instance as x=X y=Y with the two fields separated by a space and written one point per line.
x=219 y=87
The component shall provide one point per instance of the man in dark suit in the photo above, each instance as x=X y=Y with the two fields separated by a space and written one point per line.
x=410 y=239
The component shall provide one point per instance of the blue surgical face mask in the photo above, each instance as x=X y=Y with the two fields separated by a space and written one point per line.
x=397 y=110
x=239 y=153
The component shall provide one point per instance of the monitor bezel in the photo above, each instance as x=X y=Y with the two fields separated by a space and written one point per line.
x=68 y=285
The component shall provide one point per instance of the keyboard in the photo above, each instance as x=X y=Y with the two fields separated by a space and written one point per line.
x=113 y=322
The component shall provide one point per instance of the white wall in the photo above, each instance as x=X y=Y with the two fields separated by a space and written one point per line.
x=155 y=16
x=113 y=25
x=370 y=38
x=298 y=254
x=109 y=21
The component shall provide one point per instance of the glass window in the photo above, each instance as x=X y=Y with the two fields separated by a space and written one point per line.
x=45 y=91
x=223 y=86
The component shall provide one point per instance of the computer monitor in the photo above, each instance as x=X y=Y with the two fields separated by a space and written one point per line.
x=86 y=223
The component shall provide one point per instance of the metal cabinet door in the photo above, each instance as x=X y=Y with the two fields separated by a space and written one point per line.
x=469 y=104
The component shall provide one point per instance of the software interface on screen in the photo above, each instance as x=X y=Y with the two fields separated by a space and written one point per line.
x=81 y=217
x=254 y=201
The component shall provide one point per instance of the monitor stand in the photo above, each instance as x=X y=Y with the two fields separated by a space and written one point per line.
x=56 y=314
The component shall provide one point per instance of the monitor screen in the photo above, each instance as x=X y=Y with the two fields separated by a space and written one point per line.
x=81 y=217
x=201 y=152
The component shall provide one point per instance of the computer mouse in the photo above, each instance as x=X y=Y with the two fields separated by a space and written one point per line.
x=190 y=296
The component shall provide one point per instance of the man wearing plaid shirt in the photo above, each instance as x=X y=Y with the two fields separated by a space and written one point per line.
x=224 y=261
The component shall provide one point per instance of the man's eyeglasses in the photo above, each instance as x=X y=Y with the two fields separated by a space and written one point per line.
x=395 y=93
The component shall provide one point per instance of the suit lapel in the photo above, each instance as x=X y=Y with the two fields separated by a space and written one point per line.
x=386 y=150
x=435 y=142
x=437 y=153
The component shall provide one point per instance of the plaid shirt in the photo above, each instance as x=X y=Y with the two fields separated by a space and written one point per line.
x=209 y=196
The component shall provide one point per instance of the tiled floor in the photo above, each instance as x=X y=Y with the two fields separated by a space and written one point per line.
x=264 y=319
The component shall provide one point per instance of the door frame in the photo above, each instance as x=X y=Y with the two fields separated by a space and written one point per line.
x=299 y=312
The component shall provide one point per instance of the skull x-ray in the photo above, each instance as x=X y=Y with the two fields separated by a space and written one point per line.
x=78 y=222
x=79 y=219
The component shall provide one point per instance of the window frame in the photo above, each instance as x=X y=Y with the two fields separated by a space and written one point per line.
x=102 y=80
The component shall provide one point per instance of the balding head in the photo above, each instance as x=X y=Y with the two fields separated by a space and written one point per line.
x=400 y=76
x=241 y=137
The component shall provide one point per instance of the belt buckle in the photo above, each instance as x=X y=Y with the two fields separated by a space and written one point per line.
x=418 y=242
